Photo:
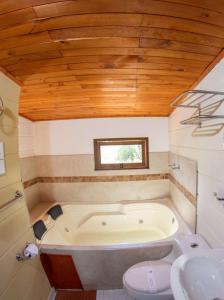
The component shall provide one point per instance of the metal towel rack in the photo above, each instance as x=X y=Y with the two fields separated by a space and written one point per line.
x=18 y=195
x=205 y=103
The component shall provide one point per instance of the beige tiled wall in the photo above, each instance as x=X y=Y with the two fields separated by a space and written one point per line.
x=68 y=146
x=18 y=280
x=28 y=165
x=104 y=192
x=186 y=176
x=83 y=165
x=208 y=151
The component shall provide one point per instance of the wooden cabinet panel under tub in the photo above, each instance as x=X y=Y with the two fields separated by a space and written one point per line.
x=61 y=271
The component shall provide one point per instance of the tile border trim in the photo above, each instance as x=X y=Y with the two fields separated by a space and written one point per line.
x=30 y=182
x=183 y=190
x=114 y=178
x=70 y=179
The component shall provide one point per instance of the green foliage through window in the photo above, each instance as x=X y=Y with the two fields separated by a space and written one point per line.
x=129 y=153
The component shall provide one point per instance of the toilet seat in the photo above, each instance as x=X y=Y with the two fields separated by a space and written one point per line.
x=149 y=277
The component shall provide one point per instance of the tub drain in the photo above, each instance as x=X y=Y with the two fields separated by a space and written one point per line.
x=140 y=221
x=103 y=223
x=66 y=229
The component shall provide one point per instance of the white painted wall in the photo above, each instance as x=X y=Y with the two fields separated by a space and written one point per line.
x=209 y=153
x=69 y=137
x=26 y=138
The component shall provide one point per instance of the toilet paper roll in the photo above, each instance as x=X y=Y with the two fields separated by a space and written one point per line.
x=31 y=251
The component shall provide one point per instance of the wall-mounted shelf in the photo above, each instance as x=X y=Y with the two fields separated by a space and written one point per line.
x=205 y=103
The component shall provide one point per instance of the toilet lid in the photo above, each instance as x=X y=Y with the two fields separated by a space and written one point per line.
x=148 y=276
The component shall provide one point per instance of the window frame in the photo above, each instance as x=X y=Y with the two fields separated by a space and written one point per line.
x=121 y=141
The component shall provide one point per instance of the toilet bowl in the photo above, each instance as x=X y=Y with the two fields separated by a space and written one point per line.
x=150 y=280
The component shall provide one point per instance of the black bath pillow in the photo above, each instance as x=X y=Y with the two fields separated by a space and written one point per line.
x=39 y=229
x=55 y=212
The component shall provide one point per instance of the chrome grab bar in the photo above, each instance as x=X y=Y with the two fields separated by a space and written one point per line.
x=18 y=195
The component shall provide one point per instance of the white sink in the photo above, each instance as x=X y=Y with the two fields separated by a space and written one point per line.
x=199 y=275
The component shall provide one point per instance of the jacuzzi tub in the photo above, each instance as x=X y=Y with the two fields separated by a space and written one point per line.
x=111 y=226
x=104 y=240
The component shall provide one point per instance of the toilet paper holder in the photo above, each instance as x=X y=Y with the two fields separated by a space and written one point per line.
x=29 y=252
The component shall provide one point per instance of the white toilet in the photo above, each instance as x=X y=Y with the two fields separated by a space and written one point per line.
x=150 y=280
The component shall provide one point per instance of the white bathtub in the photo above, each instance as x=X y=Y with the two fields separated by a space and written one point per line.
x=111 y=226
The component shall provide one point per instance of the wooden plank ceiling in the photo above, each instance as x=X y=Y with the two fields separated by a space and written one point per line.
x=107 y=58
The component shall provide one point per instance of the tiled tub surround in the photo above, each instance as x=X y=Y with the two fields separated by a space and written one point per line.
x=83 y=165
x=30 y=180
x=28 y=162
x=183 y=176
x=185 y=171
x=188 y=195
x=113 y=178
x=72 y=178
x=66 y=178
x=65 y=149
x=104 y=192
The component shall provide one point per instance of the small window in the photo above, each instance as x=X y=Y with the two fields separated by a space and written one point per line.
x=122 y=153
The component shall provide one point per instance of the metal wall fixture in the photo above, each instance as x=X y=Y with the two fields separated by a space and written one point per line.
x=218 y=197
x=17 y=196
x=205 y=103
x=1 y=106
x=174 y=166
x=30 y=251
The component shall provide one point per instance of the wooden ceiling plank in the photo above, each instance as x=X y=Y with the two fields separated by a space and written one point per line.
x=16 y=30
x=170 y=22
x=29 y=39
x=17 y=17
x=211 y=66
x=179 y=46
x=194 y=28
x=217 y=5
x=7 y=6
x=32 y=57
x=95 y=32
x=138 y=51
x=87 y=20
x=160 y=61
x=13 y=78
x=79 y=44
x=134 y=6
x=109 y=72
x=110 y=59
x=81 y=66
x=146 y=32
x=175 y=34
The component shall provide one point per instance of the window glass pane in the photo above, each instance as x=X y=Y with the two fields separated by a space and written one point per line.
x=115 y=154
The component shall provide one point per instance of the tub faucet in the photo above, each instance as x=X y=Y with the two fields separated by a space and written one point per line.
x=174 y=166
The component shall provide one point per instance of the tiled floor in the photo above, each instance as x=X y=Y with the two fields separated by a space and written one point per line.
x=113 y=295
x=74 y=295
x=101 y=295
